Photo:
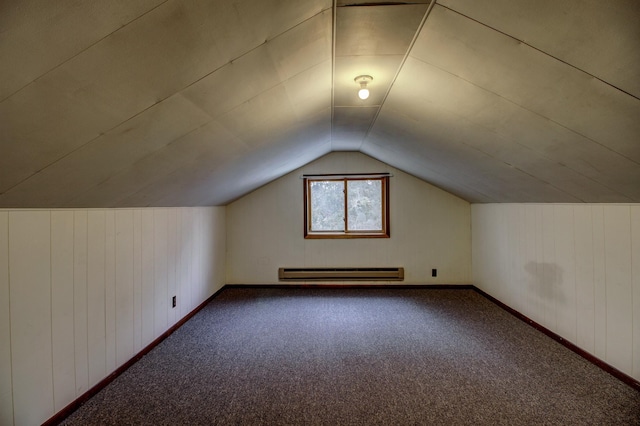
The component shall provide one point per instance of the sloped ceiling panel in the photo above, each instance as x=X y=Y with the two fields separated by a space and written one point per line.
x=109 y=117
x=174 y=102
x=494 y=110
x=38 y=36
x=599 y=37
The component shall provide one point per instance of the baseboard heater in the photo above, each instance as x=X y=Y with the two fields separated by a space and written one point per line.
x=341 y=274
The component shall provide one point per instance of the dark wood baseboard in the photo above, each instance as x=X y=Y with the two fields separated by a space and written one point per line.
x=586 y=355
x=74 y=405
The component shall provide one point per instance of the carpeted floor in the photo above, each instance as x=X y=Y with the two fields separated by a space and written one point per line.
x=359 y=357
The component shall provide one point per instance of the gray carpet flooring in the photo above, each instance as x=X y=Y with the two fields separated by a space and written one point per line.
x=318 y=356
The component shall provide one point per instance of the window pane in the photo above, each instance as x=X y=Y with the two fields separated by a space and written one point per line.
x=327 y=206
x=364 y=205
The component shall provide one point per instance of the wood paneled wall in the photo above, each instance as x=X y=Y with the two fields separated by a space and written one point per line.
x=573 y=268
x=83 y=291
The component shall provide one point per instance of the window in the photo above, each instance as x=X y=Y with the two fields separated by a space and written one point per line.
x=340 y=206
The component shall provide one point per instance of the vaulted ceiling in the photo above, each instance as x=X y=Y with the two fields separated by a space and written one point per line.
x=197 y=102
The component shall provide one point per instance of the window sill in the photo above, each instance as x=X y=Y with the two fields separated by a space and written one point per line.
x=340 y=235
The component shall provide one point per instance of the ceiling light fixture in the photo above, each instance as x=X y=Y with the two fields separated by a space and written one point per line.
x=363 y=80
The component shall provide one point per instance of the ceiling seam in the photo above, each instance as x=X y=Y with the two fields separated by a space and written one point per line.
x=393 y=80
x=513 y=166
x=531 y=111
x=333 y=67
x=441 y=181
x=541 y=51
x=179 y=138
x=83 y=50
x=104 y=132
x=545 y=157
x=212 y=119
x=540 y=153
x=384 y=3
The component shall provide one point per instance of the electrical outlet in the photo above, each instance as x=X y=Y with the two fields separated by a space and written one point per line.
x=173 y=302
x=434 y=272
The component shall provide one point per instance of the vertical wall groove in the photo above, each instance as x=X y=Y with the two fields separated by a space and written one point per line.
x=81 y=265
x=52 y=305
x=591 y=302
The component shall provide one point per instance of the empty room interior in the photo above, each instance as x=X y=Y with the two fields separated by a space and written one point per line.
x=160 y=156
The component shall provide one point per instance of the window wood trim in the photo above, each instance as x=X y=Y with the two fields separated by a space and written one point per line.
x=346 y=234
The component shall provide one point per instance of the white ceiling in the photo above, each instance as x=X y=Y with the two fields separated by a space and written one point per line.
x=197 y=102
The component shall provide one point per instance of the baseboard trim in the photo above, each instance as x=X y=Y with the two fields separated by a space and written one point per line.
x=635 y=384
x=75 y=404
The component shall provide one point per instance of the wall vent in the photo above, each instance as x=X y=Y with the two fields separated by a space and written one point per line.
x=341 y=274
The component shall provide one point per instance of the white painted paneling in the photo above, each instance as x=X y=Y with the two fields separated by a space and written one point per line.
x=214 y=271
x=80 y=309
x=565 y=272
x=196 y=275
x=585 y=287
x=581 y=271
x=137 y=280
x=530 y=304
x=429 y=229
x=6 y=394
x=179 y=263
x=548 y=281
x=62 y=308
x=160 y=267
x=30 y=304
x=537 y=267
x=219 y=242
x=186 y=250
x=124 y=286
x=147 y=278
x=96 y=296
x=523 y=249
x=635 y=283
x=509 y=246
x=619 y=305
x=81 y=298
x=171 y=263
x=110 y=289
x=600 y=296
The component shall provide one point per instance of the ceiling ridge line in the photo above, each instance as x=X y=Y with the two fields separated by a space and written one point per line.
x=531 y=111
x=541 y=51
x=393 y=80
x=83 y=50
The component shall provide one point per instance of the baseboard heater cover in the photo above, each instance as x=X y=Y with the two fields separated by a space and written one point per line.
x=341 y=274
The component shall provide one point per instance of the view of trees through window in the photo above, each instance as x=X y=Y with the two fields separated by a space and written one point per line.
x=346 y=205
x=327 y=205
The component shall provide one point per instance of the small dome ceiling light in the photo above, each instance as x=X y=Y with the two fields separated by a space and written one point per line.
x=363 y=80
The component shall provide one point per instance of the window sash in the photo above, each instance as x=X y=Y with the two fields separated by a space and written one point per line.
x=383 y=232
